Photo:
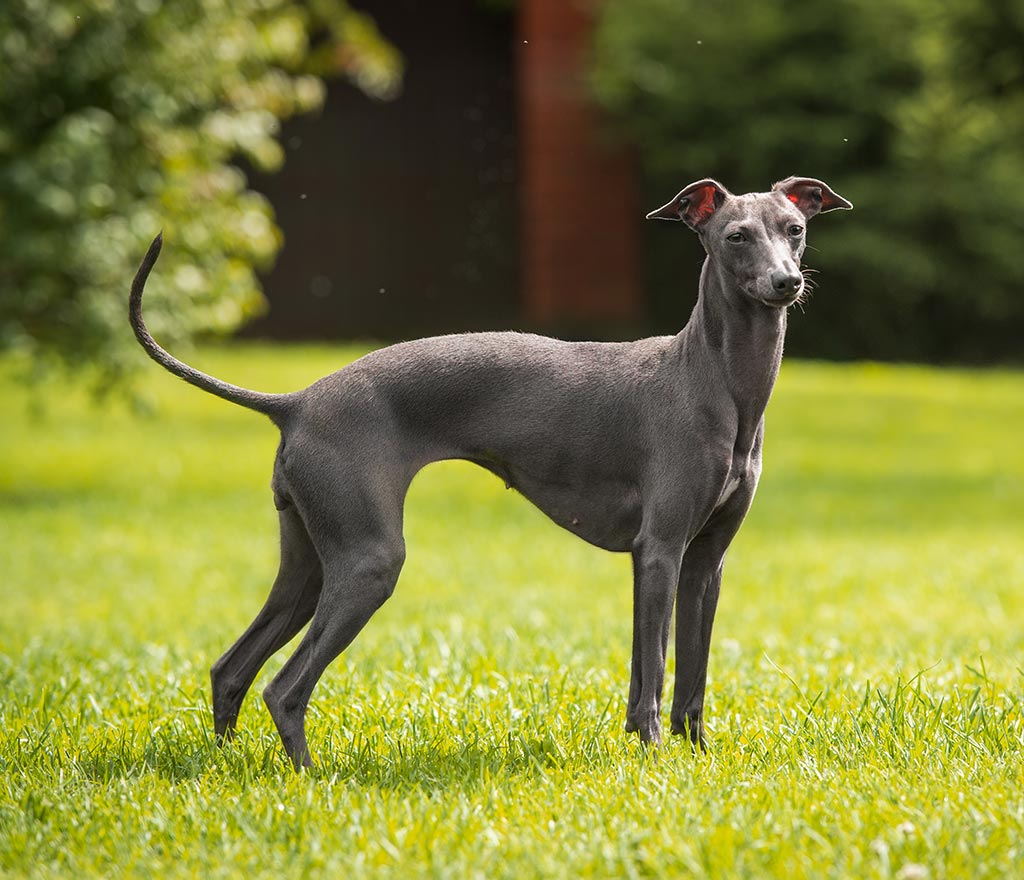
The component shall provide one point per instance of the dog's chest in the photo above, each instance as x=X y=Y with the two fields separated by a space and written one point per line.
x=742 y=469
x=731 y=485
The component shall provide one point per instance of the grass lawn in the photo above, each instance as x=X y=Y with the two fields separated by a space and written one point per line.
x=866 y=683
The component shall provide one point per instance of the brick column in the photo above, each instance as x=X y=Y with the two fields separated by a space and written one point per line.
x=580 y=212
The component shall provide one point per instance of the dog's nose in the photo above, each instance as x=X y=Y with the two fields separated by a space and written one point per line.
x=784 y=282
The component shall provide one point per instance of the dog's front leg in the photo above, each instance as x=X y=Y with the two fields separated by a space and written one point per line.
x=655 y=574
x=700 y=582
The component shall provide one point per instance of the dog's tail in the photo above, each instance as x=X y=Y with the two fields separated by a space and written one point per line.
x=273 y=405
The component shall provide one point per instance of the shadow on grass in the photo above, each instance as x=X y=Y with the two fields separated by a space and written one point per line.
x=442 y=765
x=903 y=726
x=385 y=760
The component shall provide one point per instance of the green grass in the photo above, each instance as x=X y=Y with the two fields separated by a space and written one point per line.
x=865 y=695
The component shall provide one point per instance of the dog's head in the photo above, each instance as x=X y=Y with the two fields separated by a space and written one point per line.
x=756 y=239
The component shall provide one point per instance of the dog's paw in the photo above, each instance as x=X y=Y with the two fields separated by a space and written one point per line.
x=648 y=728
x=691 y=726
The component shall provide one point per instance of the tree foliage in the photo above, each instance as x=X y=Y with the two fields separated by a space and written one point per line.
x=914 y=110
x=119 y=118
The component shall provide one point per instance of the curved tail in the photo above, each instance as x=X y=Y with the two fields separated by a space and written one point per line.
x=273 y=405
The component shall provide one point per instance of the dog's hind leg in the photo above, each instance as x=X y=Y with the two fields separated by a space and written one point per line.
x=288 y=608
x=357 y=532
x=356 y=584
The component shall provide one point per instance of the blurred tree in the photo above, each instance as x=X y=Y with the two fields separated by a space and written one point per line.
x=914 y=110
x=119 y=118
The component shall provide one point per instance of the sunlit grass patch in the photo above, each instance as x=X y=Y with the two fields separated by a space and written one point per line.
x=865 y=693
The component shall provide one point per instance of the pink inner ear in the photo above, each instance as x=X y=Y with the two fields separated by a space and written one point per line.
x=793 y=197
x=703 y=204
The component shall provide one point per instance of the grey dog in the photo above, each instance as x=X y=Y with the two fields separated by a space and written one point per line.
x=650 y=447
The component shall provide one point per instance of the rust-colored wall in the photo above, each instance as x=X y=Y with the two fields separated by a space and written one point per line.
x=579 y=208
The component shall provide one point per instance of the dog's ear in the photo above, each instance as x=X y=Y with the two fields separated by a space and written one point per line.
x=694 y=205
x=811 y=196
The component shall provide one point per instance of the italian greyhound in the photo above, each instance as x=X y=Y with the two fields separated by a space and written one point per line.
x=650 y=447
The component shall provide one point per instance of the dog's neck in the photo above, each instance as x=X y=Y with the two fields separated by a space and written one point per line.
x=739 y=343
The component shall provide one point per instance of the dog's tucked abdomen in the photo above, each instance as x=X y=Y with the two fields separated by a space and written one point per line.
x=603 y=511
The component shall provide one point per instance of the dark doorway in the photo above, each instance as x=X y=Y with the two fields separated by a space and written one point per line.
x=400 y=218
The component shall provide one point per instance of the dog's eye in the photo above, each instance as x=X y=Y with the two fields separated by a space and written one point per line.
x=736 y=237
x=795 y=230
